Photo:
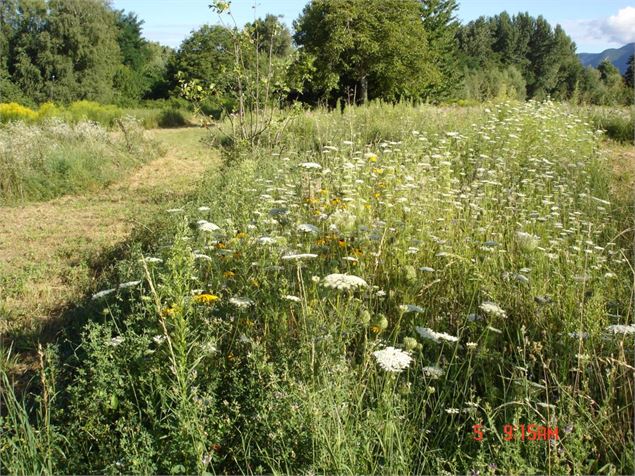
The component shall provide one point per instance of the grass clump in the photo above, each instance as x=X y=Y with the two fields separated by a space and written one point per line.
x=362 y=298
x=618 y=124
x=43 y=161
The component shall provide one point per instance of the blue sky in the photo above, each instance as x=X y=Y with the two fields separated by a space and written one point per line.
x=593 y=24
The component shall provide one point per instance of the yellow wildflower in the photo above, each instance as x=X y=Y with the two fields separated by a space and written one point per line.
x=206 y=298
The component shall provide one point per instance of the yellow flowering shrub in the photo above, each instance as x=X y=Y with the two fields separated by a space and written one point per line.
x=15 y=112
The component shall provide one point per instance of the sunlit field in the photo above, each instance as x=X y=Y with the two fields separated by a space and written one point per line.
x=388 y=290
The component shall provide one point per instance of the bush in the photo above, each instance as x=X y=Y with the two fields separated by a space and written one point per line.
x=15 y=112
x=172 y=118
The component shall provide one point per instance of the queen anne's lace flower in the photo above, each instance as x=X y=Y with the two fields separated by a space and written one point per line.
x=411 y=308
x=428 y=333
x=103 y=293
x=433 y=372
x=241 y=302
x=492 y=309
x=343 y=281
x=308 y=228
x=298 y=256
x=621 y=329
x=392 y=360
x=205 y=225
x=310 y=165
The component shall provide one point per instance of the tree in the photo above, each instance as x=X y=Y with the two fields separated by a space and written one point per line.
x=367 y=49
x=270 y=35
x=64 y=50
x=207 y=55
x=629 y=74
x=441 y=26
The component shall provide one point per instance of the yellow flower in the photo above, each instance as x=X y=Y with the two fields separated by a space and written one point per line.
x=229 y=274
x=206 y=298
x=241 y=235
x=378 y=171
x=375 y=329
x=168 y=311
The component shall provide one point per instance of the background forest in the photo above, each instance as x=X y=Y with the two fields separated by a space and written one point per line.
x=69 y=50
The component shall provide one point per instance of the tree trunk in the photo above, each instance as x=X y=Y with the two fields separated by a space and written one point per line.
x=363 y=83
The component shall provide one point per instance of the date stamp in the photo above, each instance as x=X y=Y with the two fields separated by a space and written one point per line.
x=521 y=432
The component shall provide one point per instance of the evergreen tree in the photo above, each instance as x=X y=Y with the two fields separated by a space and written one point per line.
x=442 y=26
x=629 y=75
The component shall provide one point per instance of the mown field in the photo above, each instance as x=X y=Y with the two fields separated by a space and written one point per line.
x=353 y=297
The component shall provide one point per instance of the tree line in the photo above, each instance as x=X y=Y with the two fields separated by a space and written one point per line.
x=350 y=50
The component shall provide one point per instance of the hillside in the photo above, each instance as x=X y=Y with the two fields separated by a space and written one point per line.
x=617 y=56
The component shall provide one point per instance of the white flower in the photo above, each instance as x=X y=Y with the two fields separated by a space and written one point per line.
x=115 y=341
x=159 y=339
x=471 y=345
x=492 y=309
x=202 y=256
x=241 y=302
x=129 y=284
x=527 y=241
x=621 y=329
x=291 y=298
x=204 y=225
x=150 y=259
x=343 y=281
x=175 y=210
x=308 y=228
x=203 y=209
x=452 y=411
x=392 y=360
x=103 y=293
x=411 y=308
x=310 y=165
x=266 y=240
x=298 y=256
x=433 y=372
x=428 y=333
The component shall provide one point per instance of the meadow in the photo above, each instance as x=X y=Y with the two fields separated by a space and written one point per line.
x=392 y=289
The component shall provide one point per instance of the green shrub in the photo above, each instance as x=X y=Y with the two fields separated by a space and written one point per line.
x=172 y=118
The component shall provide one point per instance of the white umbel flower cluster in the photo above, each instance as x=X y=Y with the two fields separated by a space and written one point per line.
x=343 y=281
x=428 y=333
x=393 y=360
x=205 y=225
x=241 y=302
x=621 y=329
x=492 y=309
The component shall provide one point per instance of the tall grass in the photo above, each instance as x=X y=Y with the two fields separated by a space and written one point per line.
x=39 y=162
x=486 y=249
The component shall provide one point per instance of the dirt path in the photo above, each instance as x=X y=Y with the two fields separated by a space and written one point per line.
x=45 y=247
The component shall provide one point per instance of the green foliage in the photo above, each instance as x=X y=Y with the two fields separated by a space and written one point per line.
x=544 y=56
x=364 y=50
x=629 y=74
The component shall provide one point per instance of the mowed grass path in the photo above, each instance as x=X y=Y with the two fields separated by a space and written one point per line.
x=46 y=248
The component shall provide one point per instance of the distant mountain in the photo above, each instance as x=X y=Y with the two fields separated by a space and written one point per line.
x=618 y=56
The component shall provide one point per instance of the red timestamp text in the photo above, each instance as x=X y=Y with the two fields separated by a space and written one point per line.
x=521 y=432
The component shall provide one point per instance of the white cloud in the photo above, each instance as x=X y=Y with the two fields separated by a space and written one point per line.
x=617 y=29
x=620 y=28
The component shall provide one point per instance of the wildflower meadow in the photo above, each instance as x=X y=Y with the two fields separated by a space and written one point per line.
x=391 y=289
